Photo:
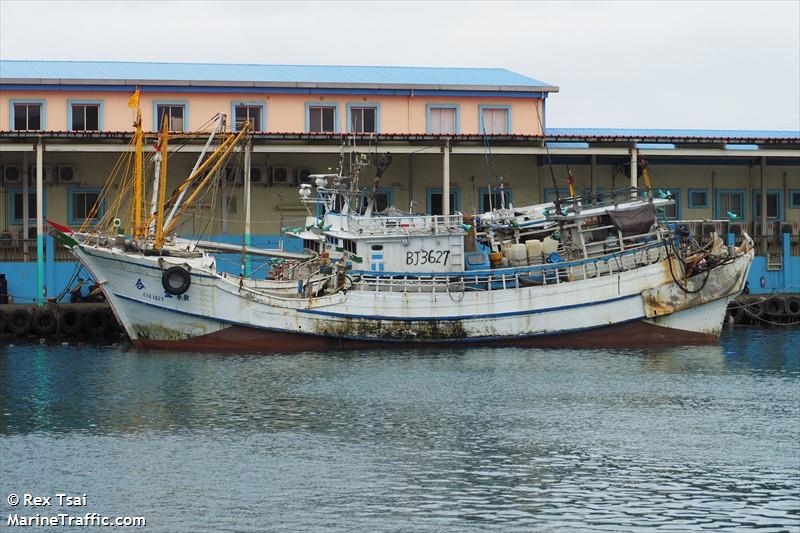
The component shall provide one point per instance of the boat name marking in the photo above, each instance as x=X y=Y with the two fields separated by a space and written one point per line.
x=426 y=257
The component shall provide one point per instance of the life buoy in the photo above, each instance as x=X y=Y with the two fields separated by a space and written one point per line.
x=95 y=322
x=20 y=322
x=44 y=323
x=176 y=280
x=71 y=320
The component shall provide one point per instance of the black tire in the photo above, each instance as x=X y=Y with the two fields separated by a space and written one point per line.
x=3 y=321
x=20 y=322
x=793 y=306
x=44 y=323
x=774 y=306
x=176 y=280
x=95 y=323
x=71 y=321
x=738 y=315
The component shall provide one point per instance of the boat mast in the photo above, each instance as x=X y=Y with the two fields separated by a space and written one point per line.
x=162 y=185
x=133 y=103
x=200 y=162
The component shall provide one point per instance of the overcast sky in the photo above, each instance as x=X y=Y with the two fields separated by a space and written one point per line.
x=709 y=65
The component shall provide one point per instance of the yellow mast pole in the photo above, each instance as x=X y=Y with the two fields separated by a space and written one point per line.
x=137 y=183
x=162 y=185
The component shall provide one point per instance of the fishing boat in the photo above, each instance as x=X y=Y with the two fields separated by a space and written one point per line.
x=609 y=272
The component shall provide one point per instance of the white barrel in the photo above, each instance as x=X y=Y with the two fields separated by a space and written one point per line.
x=533 y=248
x=518 y=252
x=549 y=246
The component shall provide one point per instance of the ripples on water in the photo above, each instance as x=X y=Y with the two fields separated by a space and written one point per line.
x=679 y=438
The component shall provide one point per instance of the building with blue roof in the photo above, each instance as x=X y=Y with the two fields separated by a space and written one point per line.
x=492 y=123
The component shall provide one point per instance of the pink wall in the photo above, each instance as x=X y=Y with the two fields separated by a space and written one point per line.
x=284 y=112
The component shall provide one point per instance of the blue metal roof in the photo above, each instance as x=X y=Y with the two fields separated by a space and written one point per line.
x=281 y=74
x=671 y=133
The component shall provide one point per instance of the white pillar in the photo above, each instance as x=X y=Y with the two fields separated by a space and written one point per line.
x=39 y=227
x=247 y=150
x=446 y=180
x=634 y=170
x=26 y=176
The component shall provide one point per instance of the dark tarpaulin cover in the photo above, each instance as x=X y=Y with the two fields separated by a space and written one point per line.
x=635 y=220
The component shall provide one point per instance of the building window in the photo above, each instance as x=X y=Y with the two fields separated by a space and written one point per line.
x=443 y=119
x=493 y=200
x=15 y=206
x=28 y=116
x=435 y=197
x=85 y=205
x=698 y=198
x=85 y=116
x=363 y=119
x=729 y=201
x=794 y=199
x=321 y=118
x=252 y=112
x=495 y=120
x=176 y=116
x=383 y=199
x=774 y=205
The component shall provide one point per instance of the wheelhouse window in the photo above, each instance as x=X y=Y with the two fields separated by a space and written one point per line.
x=363 y=119
x=85 y=117
x=85 y=205
x=730 y=202
x=494 y=120
x=28 y=116
x=321 y=119
x=245 y=112
x=774 y=202
x=443 y=120
x=175 y=114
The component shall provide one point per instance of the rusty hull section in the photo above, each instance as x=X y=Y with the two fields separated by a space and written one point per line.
x=697 y=290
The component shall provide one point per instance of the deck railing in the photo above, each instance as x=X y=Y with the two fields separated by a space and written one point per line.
x=544 y=274
x=405 y=225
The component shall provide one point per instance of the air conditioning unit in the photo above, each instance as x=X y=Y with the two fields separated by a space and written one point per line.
x=758 y=232
x=234 y=177
x=12 y=173
x=791 y=228
x=48 y=175
x=259 y=176
x=738 y=229
x=67 y=173
x=7 y=240
x=304 y=176
x=282 y=176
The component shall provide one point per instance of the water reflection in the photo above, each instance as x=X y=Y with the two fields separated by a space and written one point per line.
x=683 y=437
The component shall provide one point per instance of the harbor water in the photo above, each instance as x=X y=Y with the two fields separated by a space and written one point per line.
x=685 y=438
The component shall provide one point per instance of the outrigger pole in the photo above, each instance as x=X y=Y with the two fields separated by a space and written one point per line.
x=162 y=185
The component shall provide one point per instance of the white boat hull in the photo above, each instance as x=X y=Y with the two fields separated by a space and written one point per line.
x=639 y=306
